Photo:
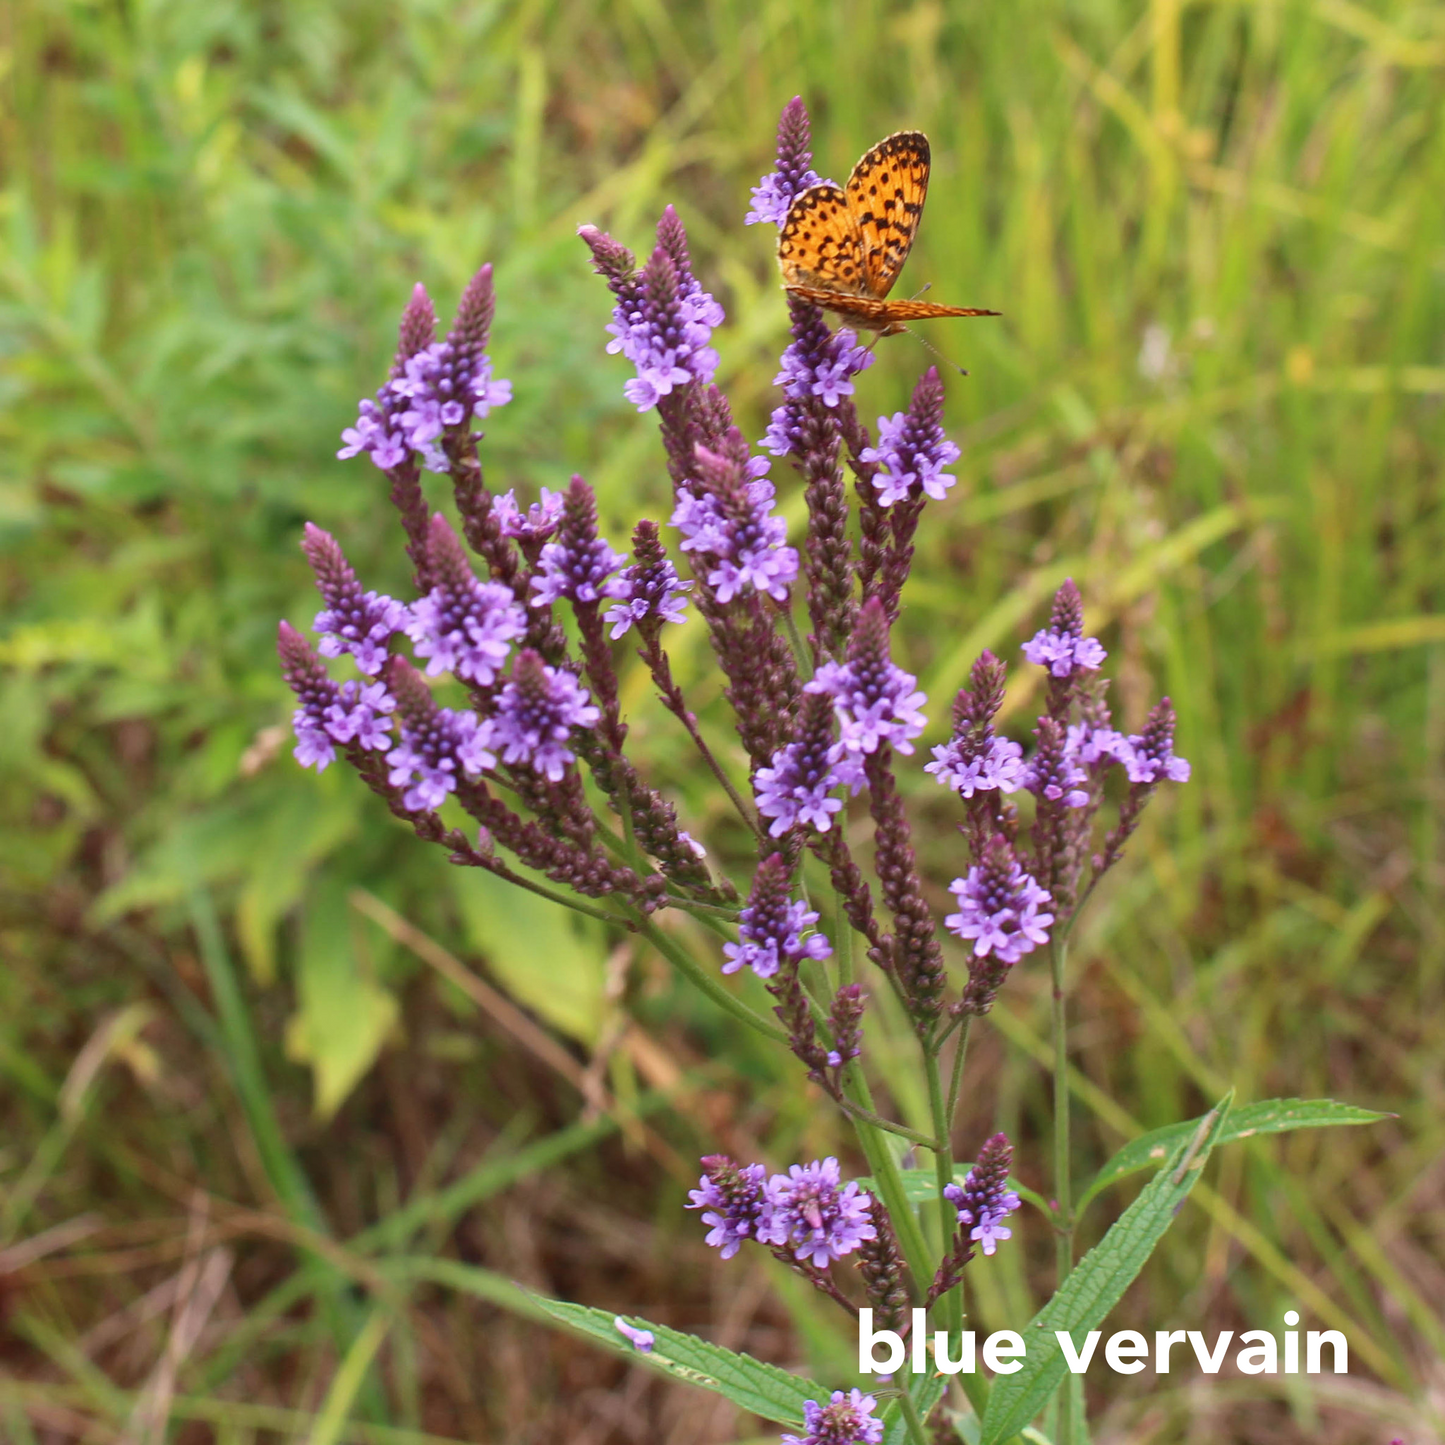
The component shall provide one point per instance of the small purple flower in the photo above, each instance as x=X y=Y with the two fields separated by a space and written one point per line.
x=771 y=927
x=431 y=753
x=726 y=517
x=655 y=594
x=876 y=702
x=793 y=172
x=329 y=714
x=462 y=626
x=1093 y=745
x=844 y=1420
x=536 y=524
x=911 y=447
x=1061 y=646
x=1057 y=777
x=437 y=388
x=536 y=713
x=732 y=1198
x=967 y=768
x=640 y=1340
x=984 y=1200
x=663 y=320
x=353 y=621
x=818 y=363
x=809 y=1209
x=1000 y=907
x=1151 y=753
x=797 y=786
x=579 y=565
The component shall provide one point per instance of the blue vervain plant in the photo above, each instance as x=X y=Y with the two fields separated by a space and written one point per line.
x=535 y=770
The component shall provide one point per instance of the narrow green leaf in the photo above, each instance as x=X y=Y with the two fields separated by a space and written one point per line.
x=1098 y=1281
x=1268 y=1116
x=927 y=1391
x=761 y=1388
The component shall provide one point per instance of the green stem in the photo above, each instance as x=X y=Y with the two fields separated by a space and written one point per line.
x=956 y=1082
x=867 y=1116
x=690 y=968
x=913 y=1418
x=1063 y=1190
x=950 y=1306
x=801 y=654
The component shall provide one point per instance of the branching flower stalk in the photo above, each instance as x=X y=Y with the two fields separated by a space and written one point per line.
x=502 y=736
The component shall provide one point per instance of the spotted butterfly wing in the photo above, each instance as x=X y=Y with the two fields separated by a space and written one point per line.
x=842 y=247
x=885 y=196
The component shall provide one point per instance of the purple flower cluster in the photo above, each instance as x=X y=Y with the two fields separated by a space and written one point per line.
x=732 y=525
x=1000 y=907
x=913 y=451
x=970 y=765
x=654 y=594
x=354 y=621
x=329 y=714
x=1151 y=754
x=876 y=701
x=844 y=1420
x=793 y=172
x=1054 y=774
x=536 y=524
x=432 y=749
x=811 y=1211
x=437 y=388
x=984 y=1200
x=462 y=626
x=798 y=784
x=808 y=1210
x=536 y=713
x=821 y=366
x=663 y=320
x=732 y=1198
x=1061 y=646
x=770 y=933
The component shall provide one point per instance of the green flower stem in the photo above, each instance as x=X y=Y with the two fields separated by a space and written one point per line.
x=688 y=966
x=1063 y=1191
x=913 y=1419
x=956 y=1082
x=867 y=1116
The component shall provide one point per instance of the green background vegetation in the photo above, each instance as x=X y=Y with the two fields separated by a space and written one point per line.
x=260 y=1119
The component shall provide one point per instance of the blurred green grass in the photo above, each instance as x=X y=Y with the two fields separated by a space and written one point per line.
x=1215 y=399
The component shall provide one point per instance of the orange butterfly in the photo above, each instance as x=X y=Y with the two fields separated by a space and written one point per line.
x=842 y=248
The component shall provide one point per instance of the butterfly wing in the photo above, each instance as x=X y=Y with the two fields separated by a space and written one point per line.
x=819 y=247
x=870 y=313
x=885 y=196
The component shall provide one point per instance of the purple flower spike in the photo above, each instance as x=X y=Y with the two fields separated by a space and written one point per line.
x=353 y=621
x=437 y=745
x=536 y=524
x=655 y=594
x=798 y=786
x=1054 y=774
x=732 y=1198
x=536 y=713
x=725 y=517
x=970 y=765
x=1000 y=907
x=844 y=1420
x=809 y=1209
x=328 y=714
x=640 y=1340
x=436 y=388
x=793 y=172
x=579 y=565
x=1061 y=646
x=663 y=321
x=912 y=449
x=875 y=701
x=462 y=626
x=1151 y=753
x=984 y=1200
x=771 y=926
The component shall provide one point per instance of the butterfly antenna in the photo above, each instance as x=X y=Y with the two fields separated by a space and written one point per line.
x=952 y=365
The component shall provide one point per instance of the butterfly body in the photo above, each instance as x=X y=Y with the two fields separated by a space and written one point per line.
x=842 y=247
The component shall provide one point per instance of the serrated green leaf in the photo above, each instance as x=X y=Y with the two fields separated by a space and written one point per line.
x=1098 y=1281
x=751 y=1384
x=1269 y=1116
